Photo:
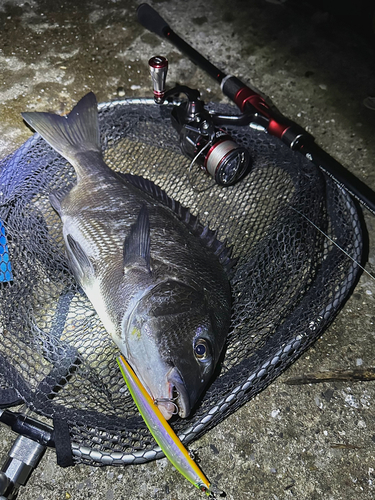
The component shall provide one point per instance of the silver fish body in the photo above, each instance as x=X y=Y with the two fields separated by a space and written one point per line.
x=157 y=282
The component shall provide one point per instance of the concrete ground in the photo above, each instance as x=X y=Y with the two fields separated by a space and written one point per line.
x=314 y=442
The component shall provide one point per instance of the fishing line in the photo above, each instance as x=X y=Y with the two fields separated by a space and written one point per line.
x=333 y=242
x=193 y=186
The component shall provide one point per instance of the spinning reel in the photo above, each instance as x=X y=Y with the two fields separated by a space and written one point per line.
x=200 y=137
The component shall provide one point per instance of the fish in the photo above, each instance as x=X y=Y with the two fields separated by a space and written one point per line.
x=157 y=278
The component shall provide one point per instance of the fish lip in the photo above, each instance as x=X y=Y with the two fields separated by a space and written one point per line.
x=183 y=399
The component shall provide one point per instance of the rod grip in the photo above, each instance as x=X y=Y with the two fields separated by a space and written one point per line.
x=151 y=20
x=230 y=86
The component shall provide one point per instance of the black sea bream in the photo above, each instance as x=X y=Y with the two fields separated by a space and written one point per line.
x=156 y=277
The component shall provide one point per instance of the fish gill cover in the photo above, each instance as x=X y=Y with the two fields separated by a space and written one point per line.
x=287 y=285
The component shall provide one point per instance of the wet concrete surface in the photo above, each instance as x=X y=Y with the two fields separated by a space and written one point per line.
x=312 y=441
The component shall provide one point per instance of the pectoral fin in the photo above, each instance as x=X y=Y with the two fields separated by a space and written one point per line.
x=79 y=261
x=137 y=243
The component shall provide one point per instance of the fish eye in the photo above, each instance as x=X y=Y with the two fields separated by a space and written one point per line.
x=201 y=349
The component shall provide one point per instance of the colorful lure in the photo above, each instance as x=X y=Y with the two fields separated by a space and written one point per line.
x=163 y=434
x=5 y=265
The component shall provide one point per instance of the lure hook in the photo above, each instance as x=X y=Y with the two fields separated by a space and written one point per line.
x=159 y=401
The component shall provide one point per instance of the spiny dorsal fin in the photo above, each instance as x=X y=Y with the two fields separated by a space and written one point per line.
x=206 y=235
x=137 y=243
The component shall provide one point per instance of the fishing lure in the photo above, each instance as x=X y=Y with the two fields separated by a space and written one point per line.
x=162 y=432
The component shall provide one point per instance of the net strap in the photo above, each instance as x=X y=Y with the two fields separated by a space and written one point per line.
x=64 y=454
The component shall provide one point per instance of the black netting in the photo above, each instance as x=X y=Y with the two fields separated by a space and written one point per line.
x=289 y=282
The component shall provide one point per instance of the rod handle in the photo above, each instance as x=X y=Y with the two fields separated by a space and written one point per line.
x=151 y=20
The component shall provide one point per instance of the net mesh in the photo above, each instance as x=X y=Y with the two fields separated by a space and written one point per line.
x=288 y=284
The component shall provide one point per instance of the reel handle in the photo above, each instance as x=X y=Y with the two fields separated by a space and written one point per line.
x=158 y=71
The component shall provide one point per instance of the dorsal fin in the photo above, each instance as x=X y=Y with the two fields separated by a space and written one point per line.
x=207 y=236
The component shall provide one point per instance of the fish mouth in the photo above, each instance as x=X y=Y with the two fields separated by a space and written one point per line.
x=178 y=392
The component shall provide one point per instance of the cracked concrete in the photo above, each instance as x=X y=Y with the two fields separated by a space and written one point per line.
x=313 y=442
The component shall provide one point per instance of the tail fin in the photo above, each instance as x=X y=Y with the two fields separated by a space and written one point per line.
x=77 y=132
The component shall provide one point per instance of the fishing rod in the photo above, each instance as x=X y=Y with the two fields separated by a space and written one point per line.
x=261 y=113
